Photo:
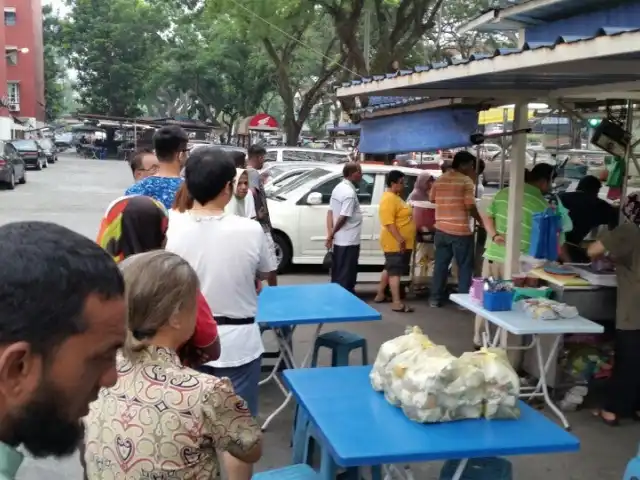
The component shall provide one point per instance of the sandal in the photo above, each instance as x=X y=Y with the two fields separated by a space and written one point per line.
x=383 y=300
x=403 y=309
x=612 y=422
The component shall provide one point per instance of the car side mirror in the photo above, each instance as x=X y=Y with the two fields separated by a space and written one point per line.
x=314 y=198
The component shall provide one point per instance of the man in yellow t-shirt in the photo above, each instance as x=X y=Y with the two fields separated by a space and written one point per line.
x=397 y=239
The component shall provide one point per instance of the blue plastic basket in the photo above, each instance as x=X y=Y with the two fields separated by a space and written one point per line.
x=497 y=301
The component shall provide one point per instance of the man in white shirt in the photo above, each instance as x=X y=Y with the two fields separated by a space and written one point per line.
x=344 y=226
x=227 y=252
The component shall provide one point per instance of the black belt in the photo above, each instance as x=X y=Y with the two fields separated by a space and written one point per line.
x=234 y=321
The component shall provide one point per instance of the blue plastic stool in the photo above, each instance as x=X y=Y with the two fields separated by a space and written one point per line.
x=491 y=468
x=633 y=469
x=293 y=472
x=305 y=437
x=340 y=343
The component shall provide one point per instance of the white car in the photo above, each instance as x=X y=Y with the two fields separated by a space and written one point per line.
x=299 y=209
x=302 y=154
x=276 y=175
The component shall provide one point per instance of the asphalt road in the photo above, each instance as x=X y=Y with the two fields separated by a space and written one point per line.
x=75 y=192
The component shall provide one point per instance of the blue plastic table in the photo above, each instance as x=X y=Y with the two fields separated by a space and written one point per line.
x=519 y=323
x=293 y=305
x=360 y=428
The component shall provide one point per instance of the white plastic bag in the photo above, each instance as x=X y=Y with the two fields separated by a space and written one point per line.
x=417 y=382
x=546 y=309
x=412 y=339
x=501 y=382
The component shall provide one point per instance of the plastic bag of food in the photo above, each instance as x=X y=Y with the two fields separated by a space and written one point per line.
x=416 y=382
x=464 y=391
x=501 y=382
x=412 y=339
x=546 y=309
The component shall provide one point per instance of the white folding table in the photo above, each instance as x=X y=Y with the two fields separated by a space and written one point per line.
x=518 y=323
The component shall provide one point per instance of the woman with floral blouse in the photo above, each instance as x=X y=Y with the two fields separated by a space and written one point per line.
x=162 y=419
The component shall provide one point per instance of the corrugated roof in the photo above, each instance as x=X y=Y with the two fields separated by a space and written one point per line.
x=558 y=43
x=506 y=13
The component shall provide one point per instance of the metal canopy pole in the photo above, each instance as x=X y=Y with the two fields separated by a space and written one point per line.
x=503 y=156
x=627 y=156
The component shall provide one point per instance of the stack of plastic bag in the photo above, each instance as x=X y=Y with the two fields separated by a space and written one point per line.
x=431 y=385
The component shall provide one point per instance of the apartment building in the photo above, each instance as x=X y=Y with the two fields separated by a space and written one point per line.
x=22 y=73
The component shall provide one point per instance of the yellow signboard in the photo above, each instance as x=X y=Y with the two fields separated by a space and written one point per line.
x=496 y=115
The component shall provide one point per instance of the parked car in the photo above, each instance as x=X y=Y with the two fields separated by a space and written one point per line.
x=63 y=140
x=12 y=167
x=298 y=213
x=31 y=153
x=276 y=175
x=301 y=154
x=50 y=150
x=492 y=168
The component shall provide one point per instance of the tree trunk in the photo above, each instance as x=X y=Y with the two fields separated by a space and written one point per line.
x=292 y=129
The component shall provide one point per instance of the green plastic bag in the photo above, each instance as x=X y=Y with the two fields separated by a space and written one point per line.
x=615 y=167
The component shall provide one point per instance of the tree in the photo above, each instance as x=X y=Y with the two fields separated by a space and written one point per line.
x=217 y=66
x=114 y=46
x=396 y=28
x=54 y=66
x=299 y=40
x=444 y=41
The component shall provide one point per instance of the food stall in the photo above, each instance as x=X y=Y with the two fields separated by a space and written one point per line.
x=563 y=73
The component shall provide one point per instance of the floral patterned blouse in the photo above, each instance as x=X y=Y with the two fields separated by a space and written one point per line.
x=164 y=421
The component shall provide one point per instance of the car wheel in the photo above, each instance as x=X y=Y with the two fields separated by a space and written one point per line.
x=12 y=180
x=284 y=252
x=23 y=180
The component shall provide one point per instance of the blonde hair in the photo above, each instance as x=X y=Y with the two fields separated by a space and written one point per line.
x=158 y=285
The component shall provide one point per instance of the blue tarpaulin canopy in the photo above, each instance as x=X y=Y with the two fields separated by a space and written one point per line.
x=418 y=132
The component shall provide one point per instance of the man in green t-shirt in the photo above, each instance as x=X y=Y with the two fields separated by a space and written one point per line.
x=539 y=181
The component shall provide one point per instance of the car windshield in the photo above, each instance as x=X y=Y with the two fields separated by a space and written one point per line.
x=335 y=158
x=299 y=183
x=25 y=145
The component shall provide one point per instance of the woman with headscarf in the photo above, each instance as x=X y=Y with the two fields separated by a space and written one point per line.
x=162 y=419
x=138 y=224
x=622 y=245
x=241 y=203
x=425 y=252
x=421 y=188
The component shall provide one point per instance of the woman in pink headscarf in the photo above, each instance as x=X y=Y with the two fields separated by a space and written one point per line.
x=425 y=251
x=422 y=187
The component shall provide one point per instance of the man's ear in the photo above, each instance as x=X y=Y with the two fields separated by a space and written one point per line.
x=20 y=372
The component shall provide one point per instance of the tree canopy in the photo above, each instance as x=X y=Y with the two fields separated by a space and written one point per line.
x=226 y=59
x=113 y=46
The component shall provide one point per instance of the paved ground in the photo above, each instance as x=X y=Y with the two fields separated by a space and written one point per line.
x=74 y=193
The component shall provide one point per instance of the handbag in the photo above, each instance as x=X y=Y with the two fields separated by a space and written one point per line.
x=544 y=235
x=327 y=262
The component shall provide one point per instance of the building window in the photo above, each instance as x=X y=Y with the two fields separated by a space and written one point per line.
x=12 y=57
x=13 y=92
x=9 y=18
